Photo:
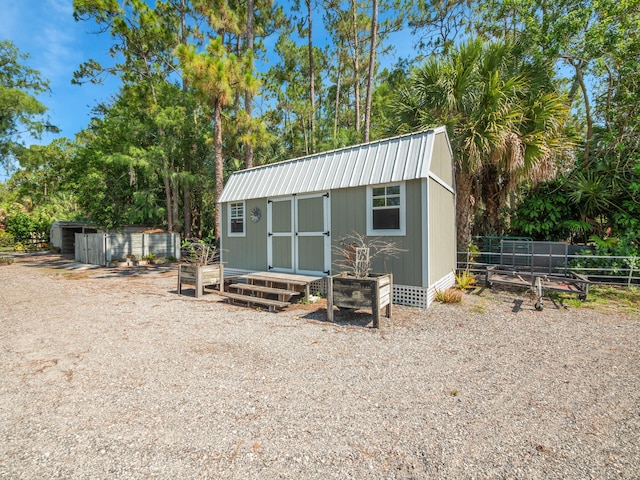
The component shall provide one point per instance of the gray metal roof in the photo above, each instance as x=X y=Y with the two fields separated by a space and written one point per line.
x=406 y=157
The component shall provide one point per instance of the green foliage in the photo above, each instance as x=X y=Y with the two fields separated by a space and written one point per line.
x=148 y=156
x=20 y=226
x=546 y=213
x=505 y=118
x=6 y=239
x=20 y=111
x=26 y=229
x=464 y=280
x=609 y=248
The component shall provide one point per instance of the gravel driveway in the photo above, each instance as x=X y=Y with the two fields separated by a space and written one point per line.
x=108 y=374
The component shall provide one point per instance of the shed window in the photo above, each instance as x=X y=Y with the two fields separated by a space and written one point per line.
x=385 y=210
x=236 y=219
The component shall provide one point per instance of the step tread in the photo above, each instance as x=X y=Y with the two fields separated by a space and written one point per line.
x=262 y=289
x=257 y=300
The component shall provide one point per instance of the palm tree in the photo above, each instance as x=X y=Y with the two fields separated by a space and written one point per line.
x=503 y=126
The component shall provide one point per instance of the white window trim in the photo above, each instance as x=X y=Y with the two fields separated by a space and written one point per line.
x=244 y=220
x=402 y=231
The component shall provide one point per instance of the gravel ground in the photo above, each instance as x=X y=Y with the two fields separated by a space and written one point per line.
x=111 y=374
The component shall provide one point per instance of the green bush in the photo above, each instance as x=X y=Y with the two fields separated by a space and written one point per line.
x=609 y=247
x=28 y=231
x=6 y=239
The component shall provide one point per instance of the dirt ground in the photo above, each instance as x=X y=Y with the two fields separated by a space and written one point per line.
x=109 y=373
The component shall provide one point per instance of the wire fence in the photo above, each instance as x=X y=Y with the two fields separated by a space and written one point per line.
x=605 y=270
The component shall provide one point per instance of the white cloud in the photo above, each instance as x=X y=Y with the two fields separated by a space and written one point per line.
x=57 y=52
x=64 y=7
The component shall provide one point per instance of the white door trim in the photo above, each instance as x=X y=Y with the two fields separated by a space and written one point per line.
x=325 y=234
x=295 y=234
x=271 y=234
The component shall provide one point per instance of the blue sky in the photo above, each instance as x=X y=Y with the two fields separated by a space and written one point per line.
x=57 y=45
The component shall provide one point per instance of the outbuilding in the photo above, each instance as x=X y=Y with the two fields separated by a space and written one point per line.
x=288 y=216
x=63 y=234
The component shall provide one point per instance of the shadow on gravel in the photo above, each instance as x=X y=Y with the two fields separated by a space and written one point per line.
x=67 y=262
x=344 y=317
x=132 y=272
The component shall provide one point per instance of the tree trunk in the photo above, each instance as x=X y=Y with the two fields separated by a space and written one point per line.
x=372 y=68
x=175 y=205
x=312 y=78
x=463 y=209
x=248 y=96
x=167 y=192
x=356 y=65
x=587 y=107
x=337 y=105
x=186 y=192
x=219 y=166
x=188 y=220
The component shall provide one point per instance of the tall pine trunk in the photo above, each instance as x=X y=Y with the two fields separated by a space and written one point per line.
x=248 y=96
x=356 y=65
x=372 y=69
x=336 y=113
x=312 y=78
x=186 y=191
x=219 y=166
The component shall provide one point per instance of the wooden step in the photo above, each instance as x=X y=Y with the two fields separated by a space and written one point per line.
x=262 y=289
x=276 y=279
x=272 y=304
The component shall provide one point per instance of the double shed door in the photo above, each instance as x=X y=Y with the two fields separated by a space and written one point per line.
x=299 y=239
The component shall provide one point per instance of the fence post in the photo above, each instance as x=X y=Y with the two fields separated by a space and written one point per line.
x=107 y=249
x=632 y=264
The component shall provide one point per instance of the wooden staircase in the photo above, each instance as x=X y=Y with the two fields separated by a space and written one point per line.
x=274 y=291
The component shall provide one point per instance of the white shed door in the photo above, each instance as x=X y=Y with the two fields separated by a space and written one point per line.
x=299 y=239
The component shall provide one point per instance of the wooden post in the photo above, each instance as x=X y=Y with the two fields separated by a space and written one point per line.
x=390 y=295
x=179 y=279
x=199 y=286
x=375 y=304
x=329 y=284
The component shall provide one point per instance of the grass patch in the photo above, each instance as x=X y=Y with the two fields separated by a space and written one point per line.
x=607 y=298
x=6 y=261
x=479 y=309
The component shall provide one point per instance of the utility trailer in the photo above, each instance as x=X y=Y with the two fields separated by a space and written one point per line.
x=570 y=282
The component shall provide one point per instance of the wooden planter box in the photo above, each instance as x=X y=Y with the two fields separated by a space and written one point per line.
x=119 y=263
x=374 y=293
x=200 y=276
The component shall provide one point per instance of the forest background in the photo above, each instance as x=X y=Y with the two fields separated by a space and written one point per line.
x=540 y=100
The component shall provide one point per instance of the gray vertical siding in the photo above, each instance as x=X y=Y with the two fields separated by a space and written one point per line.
x=441 y=164
x=248 y=252
x=442 y=231
x=348 y=214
